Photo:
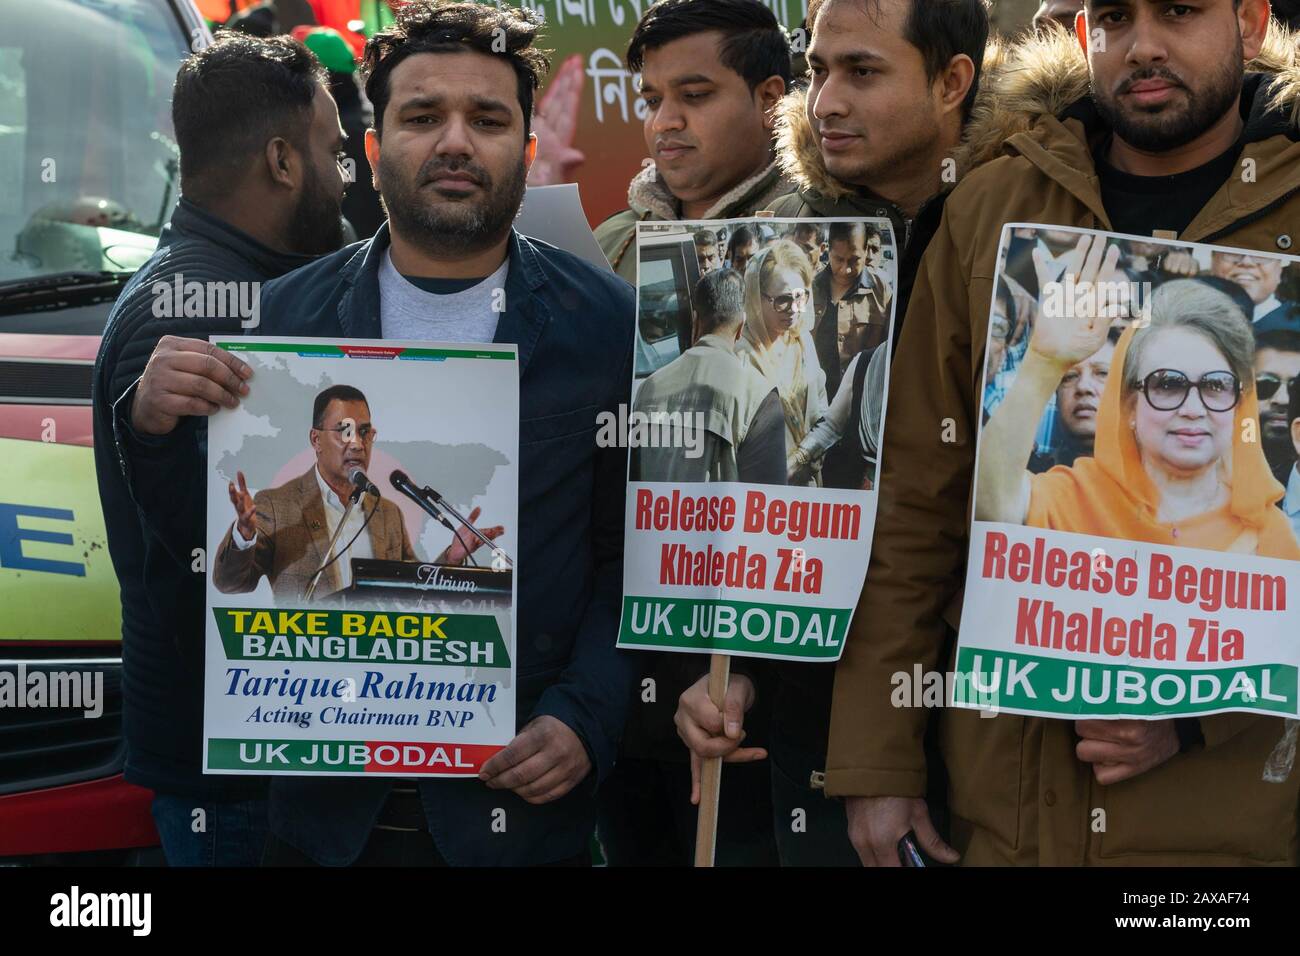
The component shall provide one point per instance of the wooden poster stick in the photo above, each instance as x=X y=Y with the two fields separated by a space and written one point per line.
x=706 y=829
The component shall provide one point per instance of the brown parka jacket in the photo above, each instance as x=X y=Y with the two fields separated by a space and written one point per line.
x=1017 y=792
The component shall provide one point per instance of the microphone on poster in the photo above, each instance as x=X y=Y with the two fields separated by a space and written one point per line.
x=403 y=483
x=361 y=484
x=429 y=500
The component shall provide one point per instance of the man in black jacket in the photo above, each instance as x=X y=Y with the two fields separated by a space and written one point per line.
x=261 y=191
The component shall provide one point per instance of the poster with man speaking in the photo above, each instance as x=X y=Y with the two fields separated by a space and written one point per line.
x=362 y=517
x=1134 y=549
x=762 y=364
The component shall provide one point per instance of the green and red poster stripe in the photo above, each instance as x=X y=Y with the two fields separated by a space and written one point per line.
x=364 y=351
x=349 y=756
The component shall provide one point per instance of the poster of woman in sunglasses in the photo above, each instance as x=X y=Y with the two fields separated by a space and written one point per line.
x=1130 y=522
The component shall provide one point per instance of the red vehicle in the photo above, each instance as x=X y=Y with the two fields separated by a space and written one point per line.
x=88 y=175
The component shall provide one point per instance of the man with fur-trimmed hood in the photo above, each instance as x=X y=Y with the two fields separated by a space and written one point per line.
x=891 y=83
x=1143 y=121
x=712 y=74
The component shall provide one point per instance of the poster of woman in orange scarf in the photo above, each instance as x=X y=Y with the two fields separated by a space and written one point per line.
x=1132 y=552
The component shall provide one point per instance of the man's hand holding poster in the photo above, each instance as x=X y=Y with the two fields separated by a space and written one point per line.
x=362 y=510
x=759 y=402
x=1129 y=555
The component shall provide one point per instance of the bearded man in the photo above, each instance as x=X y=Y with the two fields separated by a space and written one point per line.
x=452 y=87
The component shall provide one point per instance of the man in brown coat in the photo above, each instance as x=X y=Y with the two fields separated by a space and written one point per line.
x=852 y=299
x=1182 y=101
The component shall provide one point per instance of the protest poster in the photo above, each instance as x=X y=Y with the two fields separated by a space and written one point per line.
x=1133 y=547
x=762 y=363
x=362 y=514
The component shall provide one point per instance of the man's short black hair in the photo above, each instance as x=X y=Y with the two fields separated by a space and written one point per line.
x=704 y=238
x=753 y=44
x=342 y=393
x=231 y=99
x=808 y=229
x=1280 y=340
x=719 y=299
x=845 y=231
x=742 y=236
x=430 y=26
x=939 y=29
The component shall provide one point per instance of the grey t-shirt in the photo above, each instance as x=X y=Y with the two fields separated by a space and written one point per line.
x=459 y=314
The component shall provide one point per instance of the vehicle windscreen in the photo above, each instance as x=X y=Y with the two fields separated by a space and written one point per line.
x=88 y=167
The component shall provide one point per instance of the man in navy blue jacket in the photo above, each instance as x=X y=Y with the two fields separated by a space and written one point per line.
x=452 y=88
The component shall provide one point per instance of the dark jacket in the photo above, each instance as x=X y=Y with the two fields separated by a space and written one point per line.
x=154 y=495
x=573 y=325
x=857 y=321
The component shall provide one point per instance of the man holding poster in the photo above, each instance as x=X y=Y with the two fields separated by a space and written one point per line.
x=450 y=152
x=1141 y=123
x=860 y=142
x=712 y=73
x=727 y=553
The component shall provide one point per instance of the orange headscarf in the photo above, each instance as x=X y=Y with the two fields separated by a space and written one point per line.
x=1111 y=495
